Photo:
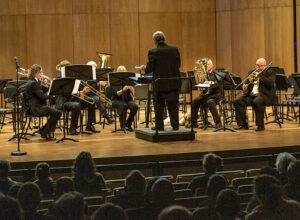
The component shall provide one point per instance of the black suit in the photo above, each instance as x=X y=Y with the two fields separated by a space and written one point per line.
x=208 y=99
x=38 y=106
x=122 y=104
x=265 y=97
x=164 y=62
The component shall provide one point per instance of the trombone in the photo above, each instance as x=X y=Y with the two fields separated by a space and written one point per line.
x=101 y=96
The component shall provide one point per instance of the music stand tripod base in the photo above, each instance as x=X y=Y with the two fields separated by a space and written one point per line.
x=66 y=139
x=18 y=153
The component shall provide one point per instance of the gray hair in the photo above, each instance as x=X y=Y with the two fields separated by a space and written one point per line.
x=158 y=37
x=283 y=161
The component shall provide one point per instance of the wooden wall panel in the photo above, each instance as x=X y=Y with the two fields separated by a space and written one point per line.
x=12 y=7
x=49 y=40
x=124 y=6
x=198 y=5
x=198 y=38
x=91 y=34
x=279 y=36
x=124 y=39
x=159 y=6
x=13 y=43
x=247 y=32
x=90 y=6
x=169 y=23
x=49 y=7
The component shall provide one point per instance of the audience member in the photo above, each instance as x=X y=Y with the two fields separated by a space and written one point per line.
x=162 y=195
x=215 y=184
x=134 y=195
x=175 y=212
x=5 y=181
x=292 y=188
x=29 y=197
x=282 y=163
x=109 y=211
x=272 y=205
x=43 y=179
x=64 y=184
x=9 y=209
x=70 y=206
x=211 y=164
x=86 y=179
x=148 y=193
x=228 y=205
x=13 y=191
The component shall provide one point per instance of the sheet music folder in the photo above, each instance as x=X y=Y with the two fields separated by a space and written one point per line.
x=64 y=86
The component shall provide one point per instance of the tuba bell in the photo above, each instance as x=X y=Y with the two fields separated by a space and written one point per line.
x=104 y=57
x=200 y=71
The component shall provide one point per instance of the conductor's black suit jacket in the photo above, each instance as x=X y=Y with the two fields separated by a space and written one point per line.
x=164 y=62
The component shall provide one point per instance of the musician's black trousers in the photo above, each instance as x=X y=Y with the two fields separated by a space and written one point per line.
x=92 y=109
x=122 y=107
x=74 y=108
x=204 y=102
x=171 y=99
x=258 y=105
x=54 y=116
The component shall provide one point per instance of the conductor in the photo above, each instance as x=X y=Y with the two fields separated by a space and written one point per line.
x=164 y=62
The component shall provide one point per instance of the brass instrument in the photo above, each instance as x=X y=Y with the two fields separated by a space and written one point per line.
x=24 y=72
x=104 y=57
x=200 y=71
x=101 y=96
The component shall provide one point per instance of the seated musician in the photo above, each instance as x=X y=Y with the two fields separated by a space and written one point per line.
x=259 y=91
x=122 y=100
x=37 y=102
x=74 y=105
x=209 y=98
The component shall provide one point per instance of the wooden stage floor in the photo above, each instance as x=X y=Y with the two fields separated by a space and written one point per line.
x=109 y=147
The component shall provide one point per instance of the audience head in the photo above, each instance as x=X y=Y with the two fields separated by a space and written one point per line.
x=42 y=171
x=158 y=37
x=293 y=172
x=4 y=169
x=13 y=191
x=1 y=195
x=228 y=204
x=70 y=206
x=215 y=184
x=135 y=182
x=282 y=162
x=269 y=171
x=9 y=208
x=84 y=166
x=121 y=69
x=175 y=212
x=29 y=196
x=64 y=184
x=162 y=193
x=211 y=163
x=268 y=190
x=148 y=193
x=109 y=211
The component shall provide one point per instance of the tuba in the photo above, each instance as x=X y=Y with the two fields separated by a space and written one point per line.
x=104 y=57
x=200 y=71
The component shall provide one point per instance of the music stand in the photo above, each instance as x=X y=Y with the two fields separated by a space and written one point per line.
x=64 y=87
x=121 y=79
x=79 y=71
x=2 y=85
x=102 y=73
x=224 y=77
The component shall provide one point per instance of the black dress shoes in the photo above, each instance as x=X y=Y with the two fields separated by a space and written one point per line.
x=73 y=131
x=91 y=128
x=259 y=128
x=109 y=119
x=218 y=126
x=48 y=136
x=241 y=128
x=159 y=129
x=129 y=128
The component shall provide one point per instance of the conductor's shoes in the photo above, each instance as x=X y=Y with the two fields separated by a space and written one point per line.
x=91 y=128
x=159 y=129
x=260 y=128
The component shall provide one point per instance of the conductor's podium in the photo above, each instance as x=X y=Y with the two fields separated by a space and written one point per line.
x=183 y=134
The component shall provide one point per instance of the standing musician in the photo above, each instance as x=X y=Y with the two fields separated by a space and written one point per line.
x=164 y=62
x=210 y=97
x=37 y=102
x=122 y=100
x=259 y=91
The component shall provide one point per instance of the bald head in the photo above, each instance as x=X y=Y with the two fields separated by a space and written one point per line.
x=260 y=64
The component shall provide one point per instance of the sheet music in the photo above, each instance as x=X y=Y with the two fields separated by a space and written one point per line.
x=202 y=85
x=63 y=71
x=50 y=88
x=76 y=86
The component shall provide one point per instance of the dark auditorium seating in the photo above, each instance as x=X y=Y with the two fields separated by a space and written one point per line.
x=236 y=182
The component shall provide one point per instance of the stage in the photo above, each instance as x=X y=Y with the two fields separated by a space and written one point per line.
x=107 y=147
